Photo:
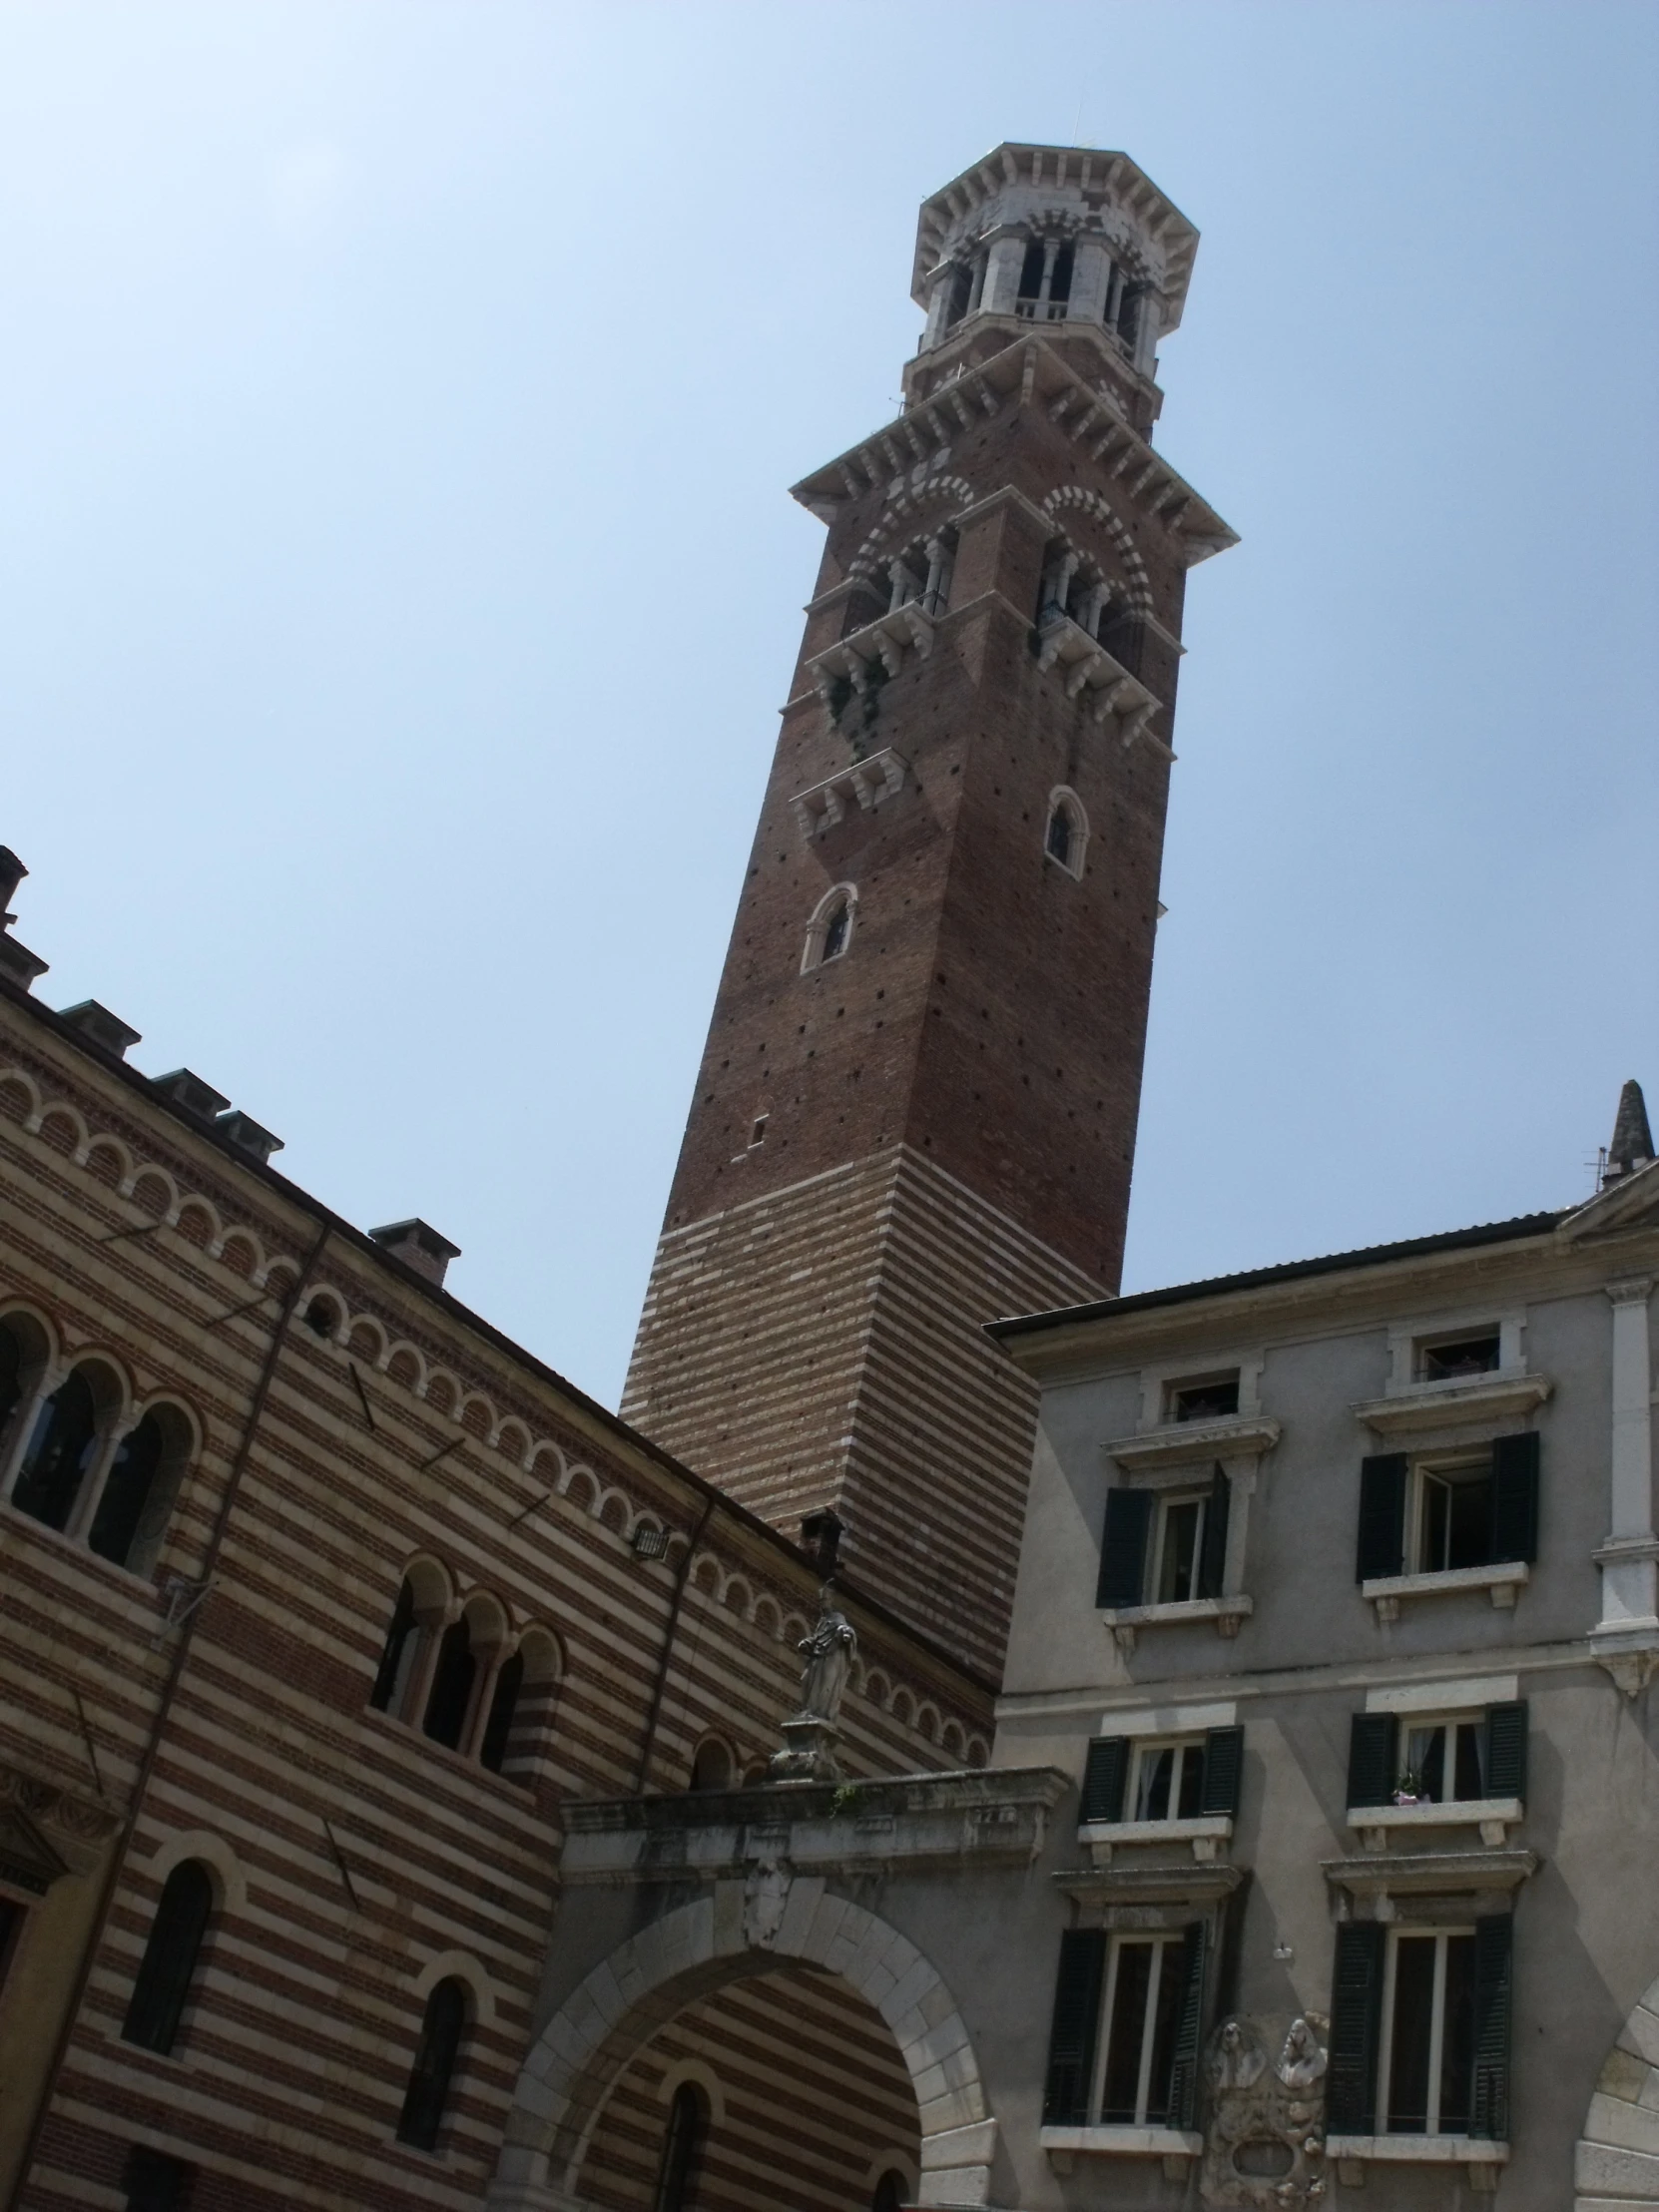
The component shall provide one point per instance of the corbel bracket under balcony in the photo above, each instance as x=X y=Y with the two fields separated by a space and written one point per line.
x=1089 y=667
x=880 y=646
x=867 y=784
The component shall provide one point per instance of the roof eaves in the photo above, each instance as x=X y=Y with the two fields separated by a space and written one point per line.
x=1286 y=1272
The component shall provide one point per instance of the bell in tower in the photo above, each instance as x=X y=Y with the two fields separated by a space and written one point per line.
x=916 y=1107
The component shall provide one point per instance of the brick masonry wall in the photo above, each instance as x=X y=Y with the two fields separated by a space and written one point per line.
x=358 y=1851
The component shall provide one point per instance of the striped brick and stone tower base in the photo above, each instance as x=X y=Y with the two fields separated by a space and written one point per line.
x=917 y=1109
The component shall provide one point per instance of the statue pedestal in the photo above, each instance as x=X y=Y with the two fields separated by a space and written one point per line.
x=809 y=1752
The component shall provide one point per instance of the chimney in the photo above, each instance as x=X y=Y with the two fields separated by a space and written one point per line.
x=198 y=1099
x=418 y=1245
x=101 y=1027
x=1632 y=1145
x=246 y=1134
x=17 y=963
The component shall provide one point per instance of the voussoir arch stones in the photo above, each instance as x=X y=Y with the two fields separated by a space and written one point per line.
x=1616 y=2164
x=743 y=1928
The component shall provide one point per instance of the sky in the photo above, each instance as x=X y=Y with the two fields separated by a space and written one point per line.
x=399 y=581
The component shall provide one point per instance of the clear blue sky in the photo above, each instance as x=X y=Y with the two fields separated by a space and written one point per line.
x=397 y=582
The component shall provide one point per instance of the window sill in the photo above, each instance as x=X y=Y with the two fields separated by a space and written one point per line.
x=1205 y=1834
x=1435 y=1404
x=1505 y=1582
x=1174 y=2145
x=1494 y=1817
x=1483 y=2158
x=1195 y=1442
x=1125 y=1621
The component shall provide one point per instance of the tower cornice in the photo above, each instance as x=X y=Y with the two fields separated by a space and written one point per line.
x=898 y=456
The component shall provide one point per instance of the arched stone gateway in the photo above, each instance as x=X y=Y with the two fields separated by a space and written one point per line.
x=1617 y=2159
x=744 y=1928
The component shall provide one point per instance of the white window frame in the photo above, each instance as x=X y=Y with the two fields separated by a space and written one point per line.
x=1163 y=1942
x=1440 y=1937
x=1142 y=1754
x=1167 y=1502
x=1429 y=1466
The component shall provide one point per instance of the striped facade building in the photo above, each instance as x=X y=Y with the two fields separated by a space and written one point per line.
x=321 y=1601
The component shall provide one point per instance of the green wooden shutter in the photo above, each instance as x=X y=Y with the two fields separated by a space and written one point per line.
x=1355 y=2011
x=1493 y=1952
x=1212 y=1553
x=1372 y=1758
x=1105 y=1777
x=1382 y=1548
x=1506 y=1750
x=1071 y=2039
x=1223 y=1772
x=1516 y=1497
x=1123 y=1547
x=1182 y=2073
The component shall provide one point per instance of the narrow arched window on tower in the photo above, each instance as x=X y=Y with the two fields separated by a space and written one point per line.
x=1067 y=832
x=830 y=930
x=441 y=2027
x=165 y=1974
x=683 y=2140
x=961 y=289
x=889 y=2193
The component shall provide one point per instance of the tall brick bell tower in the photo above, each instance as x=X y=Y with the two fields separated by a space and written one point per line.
x=916 y=1107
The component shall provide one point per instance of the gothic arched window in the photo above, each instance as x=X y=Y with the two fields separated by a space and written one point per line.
x=683 y=2140
x=834 y=932
x=1067 y=834
x=167 y=1968
x=890 y=2192
x=441 y=2027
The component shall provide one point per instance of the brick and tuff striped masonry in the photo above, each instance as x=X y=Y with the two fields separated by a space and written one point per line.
x=353 y=1859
